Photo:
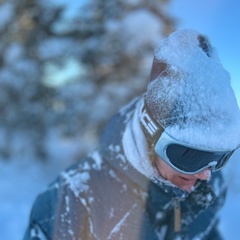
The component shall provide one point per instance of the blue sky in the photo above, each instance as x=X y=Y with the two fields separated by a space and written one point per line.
x=219 y=20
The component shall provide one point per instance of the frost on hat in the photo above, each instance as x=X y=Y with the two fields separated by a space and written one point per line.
x=190 y=95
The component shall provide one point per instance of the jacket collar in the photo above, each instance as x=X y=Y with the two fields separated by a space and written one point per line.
x=129 y=155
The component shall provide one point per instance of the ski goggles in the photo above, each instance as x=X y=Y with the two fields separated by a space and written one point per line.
x=187 y=159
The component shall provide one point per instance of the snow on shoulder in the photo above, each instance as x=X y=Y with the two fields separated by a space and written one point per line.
x=190 y=94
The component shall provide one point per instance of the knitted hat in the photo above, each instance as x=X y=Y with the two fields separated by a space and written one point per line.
x=190 y=95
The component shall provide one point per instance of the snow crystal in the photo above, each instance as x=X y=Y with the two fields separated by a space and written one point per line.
x=54 y=186
x=209 y=197
x=91 y=200
x=77 y=182
x=192 y=97
x=84 y=203
x=121 y=222
x=37 y=233
x=86 y=166
x=112 y=174
x=111 y=213
x=159 y=215
x=161 y=233
x=118 y=226
x=67 y=203
x=114 y=148
x=98 y=160
x=70 y=231
x=124 y=188
x=62 y=216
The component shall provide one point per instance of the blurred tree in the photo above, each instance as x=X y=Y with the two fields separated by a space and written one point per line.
x=67 y=66
x=22 y=96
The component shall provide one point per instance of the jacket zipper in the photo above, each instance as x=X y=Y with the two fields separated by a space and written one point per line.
x=177 y=216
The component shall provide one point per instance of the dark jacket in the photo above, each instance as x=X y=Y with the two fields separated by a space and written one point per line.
x=104 y=197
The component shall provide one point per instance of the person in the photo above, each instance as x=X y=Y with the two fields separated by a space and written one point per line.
x=155 y=174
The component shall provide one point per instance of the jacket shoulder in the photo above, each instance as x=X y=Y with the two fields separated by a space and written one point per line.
x=50 y=213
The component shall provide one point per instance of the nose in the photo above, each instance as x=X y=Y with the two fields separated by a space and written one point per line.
x=203 y=175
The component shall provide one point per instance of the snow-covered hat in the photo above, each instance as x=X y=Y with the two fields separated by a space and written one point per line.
x=190 y=95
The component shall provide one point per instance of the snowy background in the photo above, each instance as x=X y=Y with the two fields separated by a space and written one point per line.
x=61 y=81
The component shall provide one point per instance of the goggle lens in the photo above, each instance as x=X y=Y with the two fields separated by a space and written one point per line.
x=192 y=160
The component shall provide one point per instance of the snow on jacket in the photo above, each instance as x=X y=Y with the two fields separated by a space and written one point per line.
x=108 y=195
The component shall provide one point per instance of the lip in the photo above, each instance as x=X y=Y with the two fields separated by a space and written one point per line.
x=188 y=180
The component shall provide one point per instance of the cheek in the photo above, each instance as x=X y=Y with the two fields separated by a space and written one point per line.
x=171 y=176
x=176 y=180
x=165 y=170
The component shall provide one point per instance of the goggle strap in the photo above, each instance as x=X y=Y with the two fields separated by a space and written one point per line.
x=150 y=126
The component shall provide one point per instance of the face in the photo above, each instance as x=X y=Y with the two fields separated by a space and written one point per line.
x=184 y=181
